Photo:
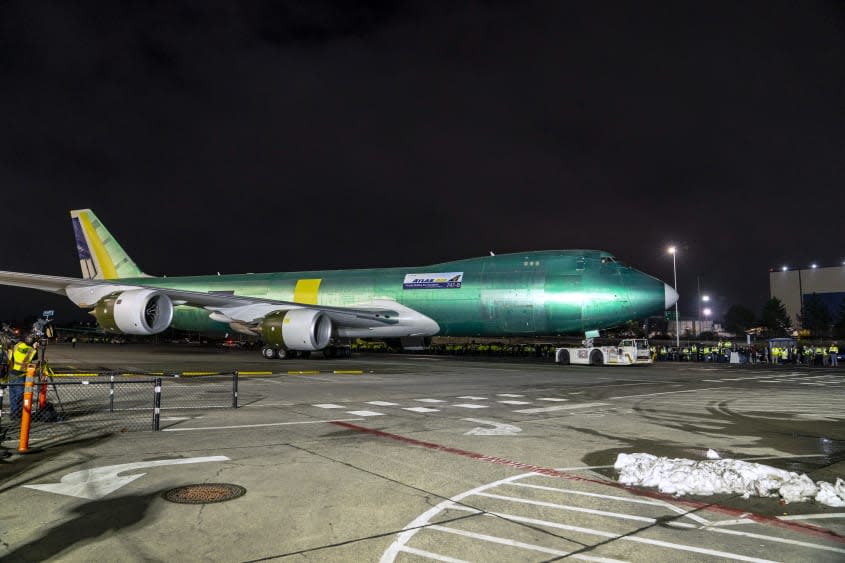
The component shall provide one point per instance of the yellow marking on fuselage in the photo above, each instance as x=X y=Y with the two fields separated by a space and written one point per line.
x=97 y=247
x=306 y=291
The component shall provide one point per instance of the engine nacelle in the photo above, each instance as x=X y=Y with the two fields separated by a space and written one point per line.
x=297 y=329
x=137 y=311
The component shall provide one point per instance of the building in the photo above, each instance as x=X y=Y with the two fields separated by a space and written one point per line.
x=691 y=328
x=793 y=287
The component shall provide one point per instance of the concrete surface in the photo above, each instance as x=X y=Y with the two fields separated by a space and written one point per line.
x=431 y=457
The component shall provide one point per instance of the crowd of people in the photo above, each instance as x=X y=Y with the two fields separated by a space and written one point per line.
x=797 y=353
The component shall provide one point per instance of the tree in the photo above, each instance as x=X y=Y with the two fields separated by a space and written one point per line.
x=839 y=327
x=816 y=317
x=773 y=317
x=738 y=319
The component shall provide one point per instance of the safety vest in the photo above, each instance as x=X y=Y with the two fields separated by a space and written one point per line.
x=21 y=356
x=819 y=350
x=834 y=349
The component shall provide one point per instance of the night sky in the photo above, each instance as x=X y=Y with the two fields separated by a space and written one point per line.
x=282 y=136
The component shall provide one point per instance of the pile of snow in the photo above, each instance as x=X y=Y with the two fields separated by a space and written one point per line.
x=714 y=475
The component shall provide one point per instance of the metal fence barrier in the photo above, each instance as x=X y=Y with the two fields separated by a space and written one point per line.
x=84 y=407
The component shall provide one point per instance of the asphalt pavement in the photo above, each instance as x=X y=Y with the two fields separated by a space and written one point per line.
x=389 y=457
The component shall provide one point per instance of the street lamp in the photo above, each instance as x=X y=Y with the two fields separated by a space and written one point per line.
x=707 y=312
x=672 y=250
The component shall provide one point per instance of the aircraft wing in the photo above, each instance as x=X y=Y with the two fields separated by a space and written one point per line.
x=226 y=306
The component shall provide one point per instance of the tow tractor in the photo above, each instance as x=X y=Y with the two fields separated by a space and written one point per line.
x=631 y=351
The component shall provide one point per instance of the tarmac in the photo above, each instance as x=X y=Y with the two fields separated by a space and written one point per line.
x=393 y=457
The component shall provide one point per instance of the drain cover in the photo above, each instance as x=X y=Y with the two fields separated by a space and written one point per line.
x=204 y=494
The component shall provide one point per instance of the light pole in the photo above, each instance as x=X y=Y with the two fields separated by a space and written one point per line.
x=673 y=251
x=702 y=299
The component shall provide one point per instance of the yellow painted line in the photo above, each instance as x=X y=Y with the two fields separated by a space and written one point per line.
x=190 y=373
x=75 y=374
x=349 y=371
x=255 y=373
x=305 y=291
x=313 y=372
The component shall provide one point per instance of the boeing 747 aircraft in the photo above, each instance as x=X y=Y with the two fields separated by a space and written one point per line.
x=541 y=293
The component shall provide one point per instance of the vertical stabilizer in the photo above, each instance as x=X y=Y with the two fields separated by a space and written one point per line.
x=100 y=255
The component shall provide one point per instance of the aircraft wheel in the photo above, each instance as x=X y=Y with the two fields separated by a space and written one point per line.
x=596 y=358
x=268 y=353
x=282 y=354
x=563 y=359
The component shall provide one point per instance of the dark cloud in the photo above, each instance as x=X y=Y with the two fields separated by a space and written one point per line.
x=261 y=136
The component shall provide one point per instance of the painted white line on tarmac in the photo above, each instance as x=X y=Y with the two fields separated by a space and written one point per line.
x=382 y=404
x=560 y=408
x=472 y=398
x=365 y=413
x=569 y=508
x=260 y=425
x=423 y=519
x=636 y=539
x=766 y=537
x=664 y=393
x=519 y=544
x=420 y=409
x=586 y=494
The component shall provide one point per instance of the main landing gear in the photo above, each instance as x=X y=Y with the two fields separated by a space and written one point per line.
x=272 y=353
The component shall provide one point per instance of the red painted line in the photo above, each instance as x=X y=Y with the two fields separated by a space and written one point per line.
x=789 y=525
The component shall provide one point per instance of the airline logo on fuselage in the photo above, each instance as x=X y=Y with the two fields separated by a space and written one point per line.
x=447 y=280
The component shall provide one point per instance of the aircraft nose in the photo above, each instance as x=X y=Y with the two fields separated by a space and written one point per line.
x=670 y=295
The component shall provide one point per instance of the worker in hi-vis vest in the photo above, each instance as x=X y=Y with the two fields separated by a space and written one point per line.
x=20 y=357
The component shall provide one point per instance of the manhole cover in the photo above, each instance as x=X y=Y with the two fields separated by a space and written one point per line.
x=204 y=494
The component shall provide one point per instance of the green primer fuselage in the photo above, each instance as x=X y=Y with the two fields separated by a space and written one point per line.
x=531 y=293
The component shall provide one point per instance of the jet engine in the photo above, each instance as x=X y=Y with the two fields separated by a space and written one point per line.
x=297 y=329
x=138 y=311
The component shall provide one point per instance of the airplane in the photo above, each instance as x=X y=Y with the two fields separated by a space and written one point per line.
x=537 y=293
